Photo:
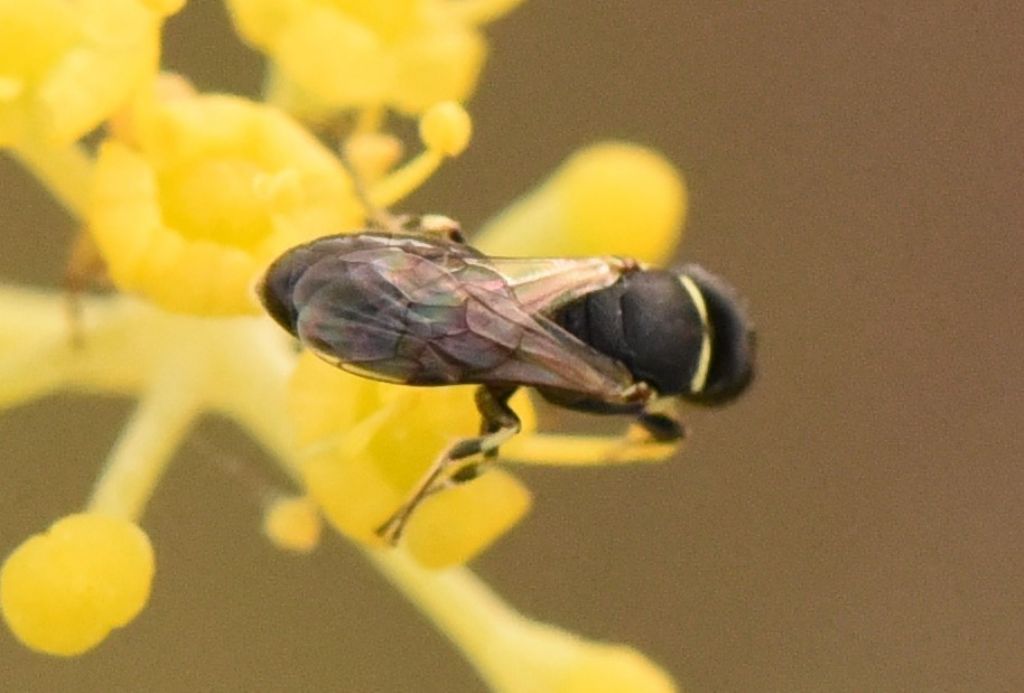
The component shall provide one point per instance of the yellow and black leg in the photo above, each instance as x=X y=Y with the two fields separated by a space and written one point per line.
x=499 y=424
x=654 y=435
x=661 y=427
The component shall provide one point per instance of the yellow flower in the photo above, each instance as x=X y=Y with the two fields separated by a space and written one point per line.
x=365 y=443
x=357 y=445
x=65 y=66
x=611 y=198
x=199 y=193
x=188 y=198
x=194 y=195
x=402 y=54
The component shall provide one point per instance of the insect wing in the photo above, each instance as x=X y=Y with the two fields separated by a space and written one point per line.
x=542 y=285
x=536 y=350
x=355 y=315
x=428 y=318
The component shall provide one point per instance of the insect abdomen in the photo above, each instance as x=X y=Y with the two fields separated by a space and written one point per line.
x=648 y=322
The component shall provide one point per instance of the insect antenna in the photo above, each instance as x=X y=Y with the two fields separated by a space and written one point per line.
x=377 y=216
x=290 y=520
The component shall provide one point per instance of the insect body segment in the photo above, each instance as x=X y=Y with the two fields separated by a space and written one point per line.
x=682 y=333
x=604 y=335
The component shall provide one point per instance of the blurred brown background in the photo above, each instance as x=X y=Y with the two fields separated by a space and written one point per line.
x=853 y=524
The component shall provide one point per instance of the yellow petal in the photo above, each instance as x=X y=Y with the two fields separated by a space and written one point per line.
x=454 y=525
x=119 y=49
x=325 y=402
x=405 y=54
x=339 y=60
x=34 y=35
x=442 y=64
x=387 y=18
x=164 y=7
x=259 y=21
x=144 y=256
x=610 y=198
x=367 y=443
x=355 y=495
x=75 y=62
x=213 y=188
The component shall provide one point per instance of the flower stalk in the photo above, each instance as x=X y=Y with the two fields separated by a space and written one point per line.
x=511 y=652
x=148 y=441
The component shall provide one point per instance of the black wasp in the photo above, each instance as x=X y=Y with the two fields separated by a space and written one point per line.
x=412 y=303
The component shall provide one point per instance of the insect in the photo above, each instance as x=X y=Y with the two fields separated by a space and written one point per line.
x=413 y=303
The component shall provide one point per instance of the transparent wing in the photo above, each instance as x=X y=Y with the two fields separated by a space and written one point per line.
x=542 y=285
x=432 y=318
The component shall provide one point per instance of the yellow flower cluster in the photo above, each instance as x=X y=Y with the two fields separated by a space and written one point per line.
x=187 y=197
x=198 y=193
x=64 y=66
x=401 y=54
x=361 y=462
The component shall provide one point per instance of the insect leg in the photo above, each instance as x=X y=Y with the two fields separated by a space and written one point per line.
x=661 y=427
x=653 y=436
x=492 y=403
x=499 y=424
